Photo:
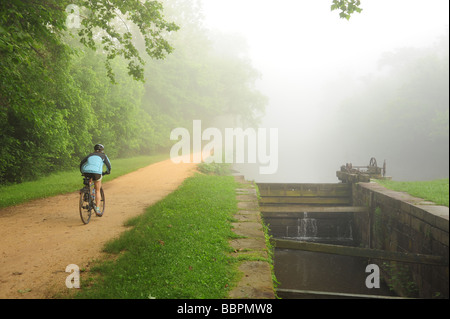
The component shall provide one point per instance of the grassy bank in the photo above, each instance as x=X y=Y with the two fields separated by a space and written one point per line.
x=436 y=191
x=177 y=249
x=69 y=181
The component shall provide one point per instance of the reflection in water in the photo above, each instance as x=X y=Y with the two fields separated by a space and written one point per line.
x=304 y=270
x=314 y=271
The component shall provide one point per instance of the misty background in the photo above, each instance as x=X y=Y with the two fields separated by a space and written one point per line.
x=338 y=91
x=344 y=91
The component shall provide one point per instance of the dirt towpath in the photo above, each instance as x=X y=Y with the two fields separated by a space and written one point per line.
x=41 y=238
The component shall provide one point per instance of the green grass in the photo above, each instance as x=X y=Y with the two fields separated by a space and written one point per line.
x=178 y=249
x=436 y=191
x=215 y=168
x=69 y=181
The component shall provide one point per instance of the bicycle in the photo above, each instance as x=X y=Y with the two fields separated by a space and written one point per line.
x=87 y=200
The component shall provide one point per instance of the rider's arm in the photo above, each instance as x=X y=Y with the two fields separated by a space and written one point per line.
x=108 y=165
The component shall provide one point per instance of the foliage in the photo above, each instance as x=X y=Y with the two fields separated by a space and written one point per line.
x=215 y=168
x=46 y=118
x=145 y=15
x=347 y=7
x=40 y=119
x=400 y=279
x=29 y=27
x=57 y=98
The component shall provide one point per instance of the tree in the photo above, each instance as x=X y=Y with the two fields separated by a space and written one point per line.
x=146 y=15
x=28 y=27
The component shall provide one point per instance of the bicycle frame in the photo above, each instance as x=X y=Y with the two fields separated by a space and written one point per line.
x=87 y=200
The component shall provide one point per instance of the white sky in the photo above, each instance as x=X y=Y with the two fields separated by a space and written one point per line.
x=292 y=29
x=301 y=46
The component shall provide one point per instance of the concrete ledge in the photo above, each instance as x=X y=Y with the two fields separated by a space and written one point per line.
x=256 y=281
x=435 y=215
x=399 y=222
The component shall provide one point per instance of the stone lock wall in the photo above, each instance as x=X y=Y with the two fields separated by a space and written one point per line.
x=399 y=222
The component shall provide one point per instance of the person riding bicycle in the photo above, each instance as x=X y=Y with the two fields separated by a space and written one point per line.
x=92 y=166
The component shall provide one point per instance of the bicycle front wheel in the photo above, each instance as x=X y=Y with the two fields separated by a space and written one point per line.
x=85 y=207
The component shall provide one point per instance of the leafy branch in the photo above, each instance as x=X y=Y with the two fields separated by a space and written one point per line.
x=26 y=25
x=146 y=15
x=347 y=7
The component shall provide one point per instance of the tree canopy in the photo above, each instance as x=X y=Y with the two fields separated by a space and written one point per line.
x=29 y=27
x=122 y=75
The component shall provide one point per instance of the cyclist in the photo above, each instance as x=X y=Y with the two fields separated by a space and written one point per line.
x=92 y=166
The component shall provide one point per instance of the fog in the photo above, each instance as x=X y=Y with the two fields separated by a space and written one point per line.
x=312 y=63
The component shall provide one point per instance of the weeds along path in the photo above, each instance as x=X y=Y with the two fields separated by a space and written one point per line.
x=41 y=238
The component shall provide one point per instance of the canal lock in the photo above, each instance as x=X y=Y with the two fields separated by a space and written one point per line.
x=320 y=214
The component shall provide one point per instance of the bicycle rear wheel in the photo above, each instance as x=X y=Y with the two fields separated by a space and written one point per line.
x=85 y=207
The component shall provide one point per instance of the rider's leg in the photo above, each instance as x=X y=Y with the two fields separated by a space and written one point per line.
x=98 y=186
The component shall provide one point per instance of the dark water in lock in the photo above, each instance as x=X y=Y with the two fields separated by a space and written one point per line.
x=320 y=272
x=304 y=270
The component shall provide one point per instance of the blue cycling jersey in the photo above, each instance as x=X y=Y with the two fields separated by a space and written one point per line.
x=93 y=163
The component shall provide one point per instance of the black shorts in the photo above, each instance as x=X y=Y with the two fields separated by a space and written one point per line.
x=95 y=177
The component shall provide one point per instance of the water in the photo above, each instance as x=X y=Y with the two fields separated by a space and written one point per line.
x=336 y=230
x=304 y=270
x=307 y=228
